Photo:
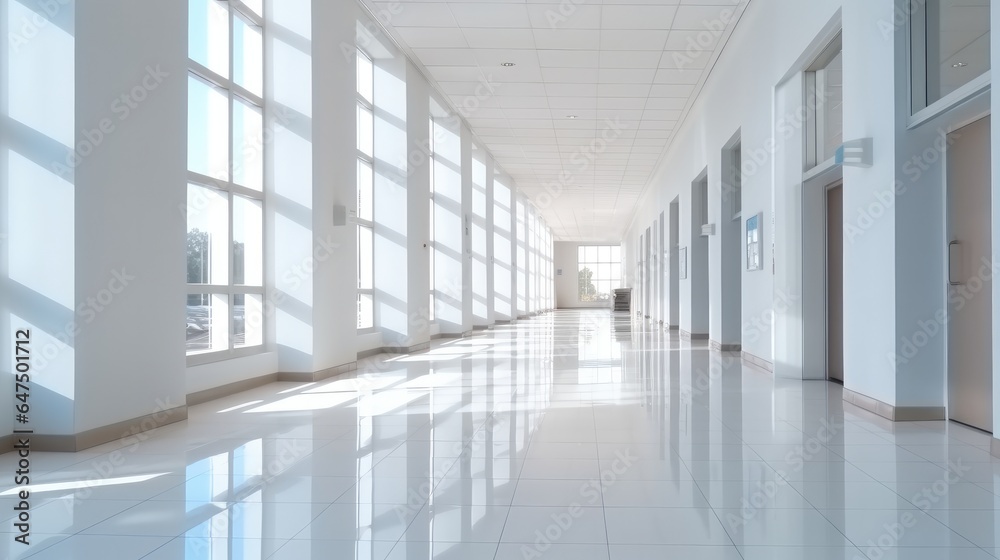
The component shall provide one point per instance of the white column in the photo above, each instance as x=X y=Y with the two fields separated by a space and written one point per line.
x=129 y=226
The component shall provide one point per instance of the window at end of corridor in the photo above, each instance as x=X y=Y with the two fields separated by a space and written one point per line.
x=600 y=272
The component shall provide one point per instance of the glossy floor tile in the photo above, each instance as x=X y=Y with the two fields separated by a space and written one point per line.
x=573 y=435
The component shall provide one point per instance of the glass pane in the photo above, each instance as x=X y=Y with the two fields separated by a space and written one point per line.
x=208 y=130
x=365 y=258
x=208 y=35
x=366 y=130
x=586 y=281
x=207 y=236
x=616 y=274
x=604 y=254
x=603 y=272
x=248 y=242
x=833 y=108
x=479 y=202
x=248 y=157
x=366 y=311
x=366 y=179
x=957 y=45
x=430 y=219
x=592 y=254
x=248 y=320
x=581 y=254
x=616 y=253
x=366 y=77
x=603 y=290
x=207 y=323
x=248 y=56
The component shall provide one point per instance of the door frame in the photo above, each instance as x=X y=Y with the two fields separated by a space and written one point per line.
x=839 y=183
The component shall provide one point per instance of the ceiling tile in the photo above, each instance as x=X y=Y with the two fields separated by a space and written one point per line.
x=626 y=69
x=489 y=14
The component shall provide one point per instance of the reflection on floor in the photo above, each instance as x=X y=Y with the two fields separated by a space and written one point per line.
x=573 y=435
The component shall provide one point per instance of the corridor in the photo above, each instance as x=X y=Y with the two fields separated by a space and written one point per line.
x=572 y=435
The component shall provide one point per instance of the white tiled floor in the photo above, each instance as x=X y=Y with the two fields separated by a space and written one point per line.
x=574 y=435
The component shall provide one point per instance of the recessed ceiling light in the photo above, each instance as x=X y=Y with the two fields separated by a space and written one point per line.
x=572 y=117
x=959 y=65
x=508 y=64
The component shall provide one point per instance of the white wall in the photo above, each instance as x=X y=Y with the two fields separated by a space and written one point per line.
x=893 y=256
x=759 y=54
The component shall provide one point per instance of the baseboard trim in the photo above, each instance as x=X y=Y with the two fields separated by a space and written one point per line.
x=310 y=377
x=465 y=334
x=369 y=353
x=106 y=434
x=718 y=346
x=757 y=361
x=7 y=443
x=894 y=413
x=222 y=391
x=693 y=336
x=423 y=346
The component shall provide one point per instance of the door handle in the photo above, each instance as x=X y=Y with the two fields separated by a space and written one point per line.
x=954 y=260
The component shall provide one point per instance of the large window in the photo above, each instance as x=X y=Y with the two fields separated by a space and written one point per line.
x=950 y=47
x=225 y=213
x=600 y=272
x=502 y=249
x=366 y=185
x=431 y=246
x=825 y=87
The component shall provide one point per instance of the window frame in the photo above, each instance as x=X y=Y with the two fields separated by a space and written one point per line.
x=919 y=110
x=815 y=125
x=581 y=262
x=234 y=93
